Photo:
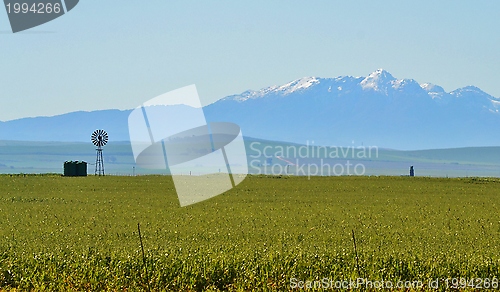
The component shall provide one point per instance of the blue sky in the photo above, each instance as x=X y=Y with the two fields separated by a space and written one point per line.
x=118 y=54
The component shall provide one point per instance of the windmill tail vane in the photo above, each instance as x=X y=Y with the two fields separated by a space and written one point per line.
x=99 y=138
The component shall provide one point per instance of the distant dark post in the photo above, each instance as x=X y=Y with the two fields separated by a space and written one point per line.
x=412 y=172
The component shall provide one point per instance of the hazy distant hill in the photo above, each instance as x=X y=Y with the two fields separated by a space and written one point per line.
x=70 y=127
x=44 y=157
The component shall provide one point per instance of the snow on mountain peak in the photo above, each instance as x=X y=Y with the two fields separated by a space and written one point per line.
x=377 y=80
x=381 y=75
x=302 y=83
x=467 y=89
x=383 y=81
x=432 y=88
x=401 y=84
x=296 y=85
x=434 y=91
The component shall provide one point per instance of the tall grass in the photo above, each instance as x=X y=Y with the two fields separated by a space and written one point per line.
x=60 y=233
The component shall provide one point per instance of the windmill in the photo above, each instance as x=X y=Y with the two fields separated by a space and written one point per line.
x=99 y=138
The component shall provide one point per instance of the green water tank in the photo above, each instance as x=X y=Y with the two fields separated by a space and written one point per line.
x=70 y=168
x=81 y=168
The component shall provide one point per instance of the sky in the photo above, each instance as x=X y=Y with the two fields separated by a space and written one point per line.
x=118 y=54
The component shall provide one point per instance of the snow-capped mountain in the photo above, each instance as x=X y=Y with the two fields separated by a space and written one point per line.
x=376 y=110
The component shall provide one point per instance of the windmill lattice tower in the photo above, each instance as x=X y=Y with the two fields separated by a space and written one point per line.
x=99 y=138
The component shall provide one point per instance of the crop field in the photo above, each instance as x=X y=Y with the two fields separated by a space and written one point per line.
x=270 y=233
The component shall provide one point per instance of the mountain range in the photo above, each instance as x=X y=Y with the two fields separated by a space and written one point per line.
x=376 y=110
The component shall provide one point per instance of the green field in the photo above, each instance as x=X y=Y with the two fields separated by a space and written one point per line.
x=62 y=234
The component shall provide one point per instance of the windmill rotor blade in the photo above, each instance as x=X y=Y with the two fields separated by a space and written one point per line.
x=104 y=137
x=99 y=138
